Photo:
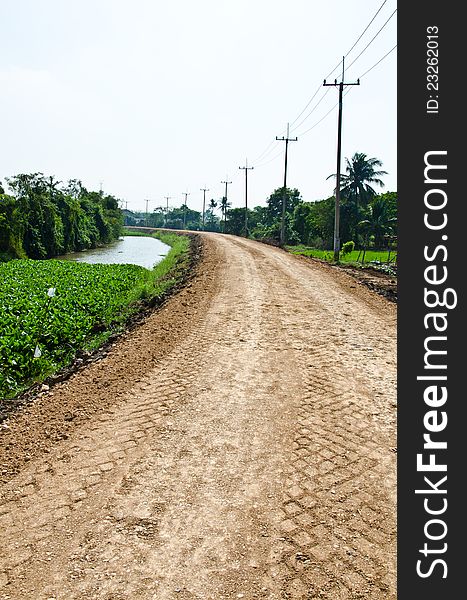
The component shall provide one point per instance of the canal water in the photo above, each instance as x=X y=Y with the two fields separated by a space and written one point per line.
x=135 y=250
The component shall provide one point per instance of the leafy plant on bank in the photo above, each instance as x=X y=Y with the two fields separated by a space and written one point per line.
x=90 y=302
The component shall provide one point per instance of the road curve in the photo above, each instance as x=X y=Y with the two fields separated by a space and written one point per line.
x=240 y=444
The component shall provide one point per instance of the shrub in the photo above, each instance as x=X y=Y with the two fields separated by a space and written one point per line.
x=348 y=248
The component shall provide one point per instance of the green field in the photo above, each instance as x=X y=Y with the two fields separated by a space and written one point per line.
x=90 y=302
x=354 y=257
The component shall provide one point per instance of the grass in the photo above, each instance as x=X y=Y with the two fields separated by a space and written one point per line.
x=376 y=259
x=351 y=258
x=91 y=302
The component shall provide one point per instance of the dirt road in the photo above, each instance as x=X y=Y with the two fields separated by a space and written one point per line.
x=238 y=444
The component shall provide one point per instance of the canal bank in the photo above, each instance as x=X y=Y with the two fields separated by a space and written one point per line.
x=57 y=314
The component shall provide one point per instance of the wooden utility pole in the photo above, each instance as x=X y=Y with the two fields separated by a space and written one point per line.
x=167 y=198
x=284 y=192
x=184 y=210
x=340 y=85
x=225 y=206
x=246 y=168
x=147 y=213
x=204 y=190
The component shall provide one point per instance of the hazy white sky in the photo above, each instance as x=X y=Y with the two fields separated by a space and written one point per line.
x=155 y=98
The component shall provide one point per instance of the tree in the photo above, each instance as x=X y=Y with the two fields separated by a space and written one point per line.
x=361 y=172
x=265 y=222
x=11 y=245
x=157 y=217
x=274 y=203
x=176 y=217
x=377 y=224
x=391 y=201
x=357 y=191
x=46 y=220
x=302 y=220
x=211 y=220
x=320 y=223
x=225 y=204
x=236 y=220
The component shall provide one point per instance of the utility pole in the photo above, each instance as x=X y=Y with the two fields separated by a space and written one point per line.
x=246 y=168
x=340 y=85
x=147 y=213
x=225 y=205
x=184 y=210
x=284 y=193
x=204 y=190
x=167 y=210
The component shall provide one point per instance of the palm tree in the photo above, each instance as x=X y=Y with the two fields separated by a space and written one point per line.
x=357 y=187
x=361 y=175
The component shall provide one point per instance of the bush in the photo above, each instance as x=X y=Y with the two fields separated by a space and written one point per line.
x=348 y=248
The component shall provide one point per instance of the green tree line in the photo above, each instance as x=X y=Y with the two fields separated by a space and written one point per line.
x=41 y=219
x=367 y=219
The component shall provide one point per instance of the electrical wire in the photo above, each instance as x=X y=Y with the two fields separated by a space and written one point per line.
x=372 y=40
x=273 y=144
x=312 y=110
x=349 y=90
x=377 y=63
x=338 y=64
x=366 y=28
x=269 y=161
x=268 y=149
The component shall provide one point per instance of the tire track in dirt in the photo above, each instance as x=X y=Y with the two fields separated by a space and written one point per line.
x=339 y=507
x=253 y=460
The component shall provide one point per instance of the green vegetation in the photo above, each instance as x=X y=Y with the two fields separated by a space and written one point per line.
x=42 y=219
x=368 y=221
x=41 y=333
x=353 y=258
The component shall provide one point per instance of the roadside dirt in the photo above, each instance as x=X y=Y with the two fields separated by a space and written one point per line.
x=240 y=443
x=375 y=280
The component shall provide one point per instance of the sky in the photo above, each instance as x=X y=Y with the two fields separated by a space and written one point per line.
x=154 y=98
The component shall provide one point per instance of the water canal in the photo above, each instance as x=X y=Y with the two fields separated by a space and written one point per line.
x=136 y=250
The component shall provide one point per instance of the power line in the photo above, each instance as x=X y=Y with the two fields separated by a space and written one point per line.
x=377 y=63
x=345 y=93
x=372 y=40
x=269 y=161
x=260 y=156
x=312 y=110
x=366 y=28
x=339 y=63
x=322 y=119
x=263 y=164
x=272 y=145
